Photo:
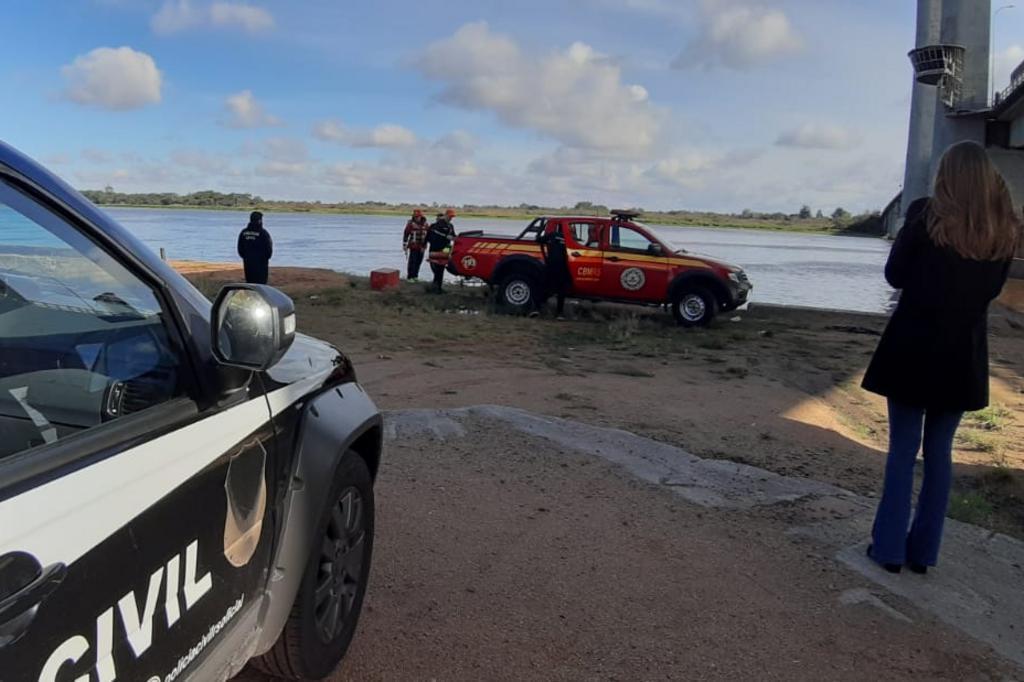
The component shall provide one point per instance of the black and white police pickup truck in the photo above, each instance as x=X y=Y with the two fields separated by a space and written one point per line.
x=183 y=487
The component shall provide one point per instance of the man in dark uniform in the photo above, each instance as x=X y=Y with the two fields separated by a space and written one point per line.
x=255 y=247
x=413 y=242
x=556 y=267
x=439 y=239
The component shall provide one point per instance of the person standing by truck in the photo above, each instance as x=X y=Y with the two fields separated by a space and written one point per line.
x=558 y=279
x=439 y=239
x=414 y=241
x=255 y=248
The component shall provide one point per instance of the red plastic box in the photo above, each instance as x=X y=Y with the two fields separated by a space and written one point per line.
x=383 y=279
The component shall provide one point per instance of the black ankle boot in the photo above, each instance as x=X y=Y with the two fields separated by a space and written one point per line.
x=920 y=569
x=891 y=568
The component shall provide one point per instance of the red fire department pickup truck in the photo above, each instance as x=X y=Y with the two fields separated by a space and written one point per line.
x=610 y=259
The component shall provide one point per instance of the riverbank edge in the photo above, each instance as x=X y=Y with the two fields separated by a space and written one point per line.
x=517 y=217
x=1012 y=296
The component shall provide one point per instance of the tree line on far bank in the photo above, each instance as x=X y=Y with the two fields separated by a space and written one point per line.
x=804 y=220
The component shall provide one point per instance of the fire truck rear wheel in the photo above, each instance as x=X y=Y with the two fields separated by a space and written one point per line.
x=519 y=293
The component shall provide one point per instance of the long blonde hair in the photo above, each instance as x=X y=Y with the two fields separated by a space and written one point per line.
x=971 y=211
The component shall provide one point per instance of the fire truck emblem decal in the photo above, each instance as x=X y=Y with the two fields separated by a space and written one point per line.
x=632 y=279
x=469 y=262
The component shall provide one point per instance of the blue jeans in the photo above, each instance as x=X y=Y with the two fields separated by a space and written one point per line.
x=891 y=542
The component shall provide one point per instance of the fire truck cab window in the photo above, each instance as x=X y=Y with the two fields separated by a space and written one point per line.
x=627 y=239
x=585 y=235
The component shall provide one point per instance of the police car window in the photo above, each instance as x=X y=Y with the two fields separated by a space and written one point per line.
x=629 y=239
x=82 y=341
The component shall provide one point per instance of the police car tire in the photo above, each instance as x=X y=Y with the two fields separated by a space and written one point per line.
x=708 y=299
x=518 y=277
x=300 y=653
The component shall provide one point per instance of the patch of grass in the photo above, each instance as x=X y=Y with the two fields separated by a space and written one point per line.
x=624 y=328
x=864 y=431
x=970 y=507
x=972 y=440
x=328 y=297
x=992 y=418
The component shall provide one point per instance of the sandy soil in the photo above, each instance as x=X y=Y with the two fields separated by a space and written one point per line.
x=473 y=581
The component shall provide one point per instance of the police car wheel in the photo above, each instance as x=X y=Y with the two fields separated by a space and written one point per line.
x=518 y=293
x=694 y=307
x=326 y=610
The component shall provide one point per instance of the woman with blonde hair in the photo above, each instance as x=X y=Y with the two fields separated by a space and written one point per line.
x=950 y=260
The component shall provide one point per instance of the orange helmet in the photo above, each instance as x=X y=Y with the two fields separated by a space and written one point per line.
x=450 y=213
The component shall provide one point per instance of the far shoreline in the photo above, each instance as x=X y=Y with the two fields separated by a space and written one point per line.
x=513 y=217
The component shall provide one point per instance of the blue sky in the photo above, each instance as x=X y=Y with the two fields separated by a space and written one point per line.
x=699 y=104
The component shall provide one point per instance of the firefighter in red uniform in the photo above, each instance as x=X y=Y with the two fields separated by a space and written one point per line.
x=414 y=241
x=439 y=238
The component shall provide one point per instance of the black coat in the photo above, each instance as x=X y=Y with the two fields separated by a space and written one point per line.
x=256 y=248
x=440 y=235
x=934 y=352
x=556 y=260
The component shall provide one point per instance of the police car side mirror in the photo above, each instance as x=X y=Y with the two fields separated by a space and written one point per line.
x=253 y=326
x=655 y=249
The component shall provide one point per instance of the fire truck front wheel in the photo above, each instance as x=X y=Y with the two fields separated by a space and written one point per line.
x=694 y=306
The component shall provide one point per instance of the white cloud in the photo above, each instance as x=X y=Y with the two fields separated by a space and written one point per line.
x=387 y=135
x=236 y=15
x=180 y=15
x=1005 y=62
x=739 y=35
x=575 y=96
x=244 y=111
x=819 y=136
x=113 y=78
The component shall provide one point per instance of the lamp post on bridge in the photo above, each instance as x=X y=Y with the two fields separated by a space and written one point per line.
x=992 y=68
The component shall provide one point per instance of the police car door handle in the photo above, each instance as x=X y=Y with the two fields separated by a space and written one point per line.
x=18 y=605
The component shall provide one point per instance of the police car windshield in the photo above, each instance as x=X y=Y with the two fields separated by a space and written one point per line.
x=40 y=267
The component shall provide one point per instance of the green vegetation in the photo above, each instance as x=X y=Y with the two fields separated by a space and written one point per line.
x=841 y=221
x=970 y=507
x=971 y=440
x=992 y=418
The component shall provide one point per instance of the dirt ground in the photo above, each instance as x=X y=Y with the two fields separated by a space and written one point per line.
x=771 y=387
x=476 y=578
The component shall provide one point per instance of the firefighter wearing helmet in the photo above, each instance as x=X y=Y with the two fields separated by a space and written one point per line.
x=414 y=242
x=439 y=239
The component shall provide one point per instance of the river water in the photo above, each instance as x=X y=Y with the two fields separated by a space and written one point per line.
x=786 y=268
